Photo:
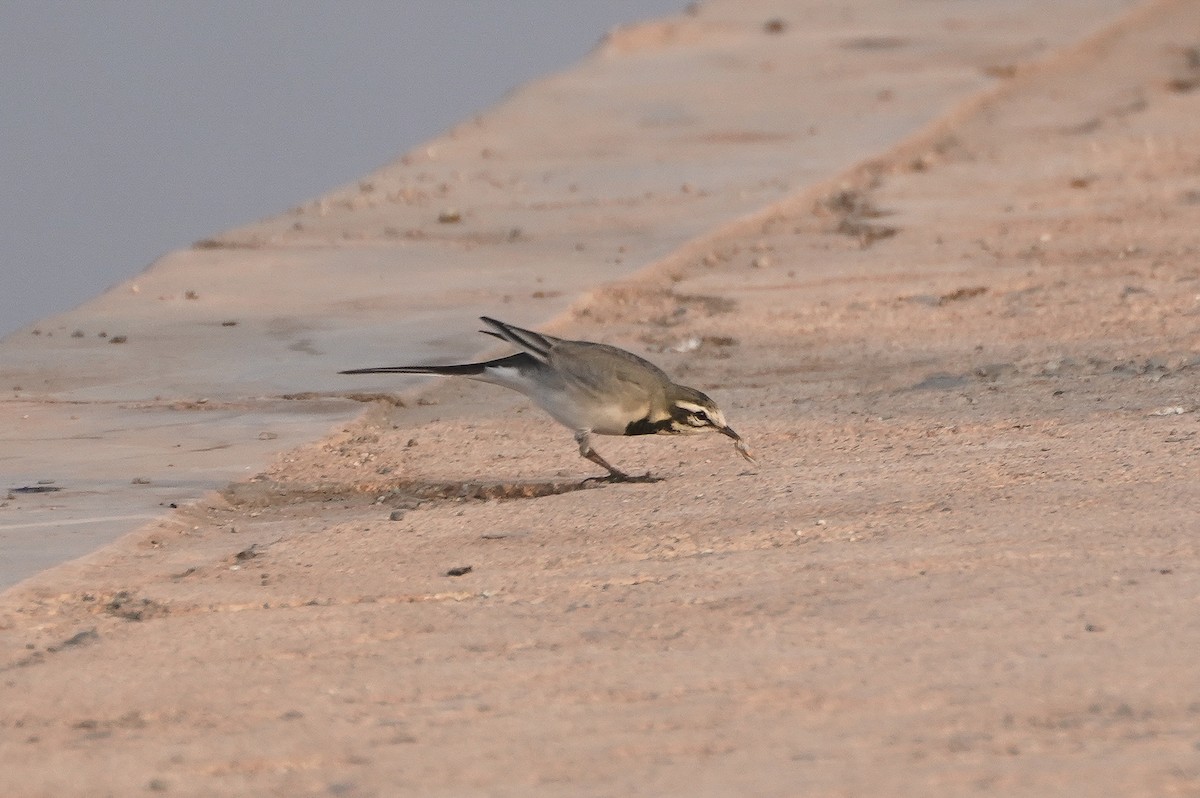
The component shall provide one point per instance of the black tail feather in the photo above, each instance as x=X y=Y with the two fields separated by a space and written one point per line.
x=535 y=345
x=464 y=369
x=520 y=361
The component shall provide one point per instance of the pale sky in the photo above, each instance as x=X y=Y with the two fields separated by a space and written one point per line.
x=133 y=128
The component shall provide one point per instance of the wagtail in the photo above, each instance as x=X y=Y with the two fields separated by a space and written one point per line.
x=589 y=388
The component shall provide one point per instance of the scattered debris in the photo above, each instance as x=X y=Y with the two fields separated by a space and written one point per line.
x=874 y=43
x=1000 y=71
x=853 y=209
x=125 y=605
x=86 y=637
x=962 y=293
x=940 y=382
x=994 y=371
x=1174 y=410
x=688 y=344
x=461 y=570
x=1188 y=78
x=35 y=489
x=938 y=300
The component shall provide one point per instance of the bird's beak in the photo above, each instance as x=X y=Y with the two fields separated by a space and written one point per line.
x=738 y=443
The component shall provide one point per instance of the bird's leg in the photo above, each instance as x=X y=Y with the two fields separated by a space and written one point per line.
x=583 y=438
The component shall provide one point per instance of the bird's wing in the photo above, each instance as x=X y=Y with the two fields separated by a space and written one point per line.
x=599 y=368
x=536 y=344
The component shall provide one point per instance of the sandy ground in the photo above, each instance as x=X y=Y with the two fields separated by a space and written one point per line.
x=221 y=356
x=966 y=562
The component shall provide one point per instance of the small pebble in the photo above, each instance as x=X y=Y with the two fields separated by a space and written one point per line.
x=687 y=345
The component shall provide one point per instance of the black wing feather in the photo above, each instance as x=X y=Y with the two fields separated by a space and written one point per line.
x=534 y=343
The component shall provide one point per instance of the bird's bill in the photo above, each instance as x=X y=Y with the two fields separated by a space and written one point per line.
x=738 y=443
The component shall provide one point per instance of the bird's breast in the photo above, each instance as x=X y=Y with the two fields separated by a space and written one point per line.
x=603 y=417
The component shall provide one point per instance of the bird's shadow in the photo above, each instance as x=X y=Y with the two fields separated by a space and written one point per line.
x=408 y=494
x=619 y=479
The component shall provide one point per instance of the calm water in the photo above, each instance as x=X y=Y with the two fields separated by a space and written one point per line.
x=131 y=129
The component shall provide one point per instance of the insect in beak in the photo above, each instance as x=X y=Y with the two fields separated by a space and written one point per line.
x=738 y=443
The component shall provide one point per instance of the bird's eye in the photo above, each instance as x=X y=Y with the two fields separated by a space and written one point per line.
x=701 y=415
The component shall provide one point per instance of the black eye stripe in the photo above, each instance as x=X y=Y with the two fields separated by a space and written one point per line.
x=692 y=416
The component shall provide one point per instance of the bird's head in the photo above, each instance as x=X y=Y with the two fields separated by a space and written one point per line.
x=694 y=411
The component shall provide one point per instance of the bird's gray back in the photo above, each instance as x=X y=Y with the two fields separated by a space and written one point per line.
x=601 y=367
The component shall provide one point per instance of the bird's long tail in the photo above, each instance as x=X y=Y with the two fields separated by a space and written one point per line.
x=516 y=361
x=462 y=370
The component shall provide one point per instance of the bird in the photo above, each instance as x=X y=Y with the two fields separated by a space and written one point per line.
x=590 y=388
